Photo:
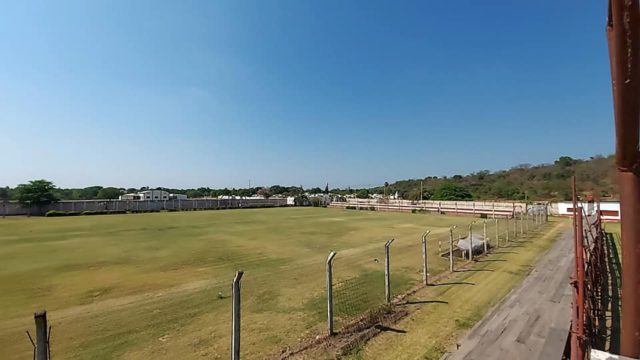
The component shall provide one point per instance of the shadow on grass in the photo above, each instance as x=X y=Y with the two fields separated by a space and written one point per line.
x=491 y=260
x=474 y=270
x=453 y=283
x=415 y=302
x=390 y=329
x=611 y=296
x=505 y=252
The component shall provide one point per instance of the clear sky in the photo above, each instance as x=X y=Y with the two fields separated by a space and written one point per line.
x=353 y=93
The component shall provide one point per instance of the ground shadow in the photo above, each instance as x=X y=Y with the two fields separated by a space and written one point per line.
x=611 y=296
x=474 y=270
x=504 y=252
x=491 y=260
x=390 y=329
x=453 y=283
x=415 y=302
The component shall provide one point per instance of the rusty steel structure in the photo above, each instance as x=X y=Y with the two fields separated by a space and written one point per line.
x=588 y=323
x=623 y=36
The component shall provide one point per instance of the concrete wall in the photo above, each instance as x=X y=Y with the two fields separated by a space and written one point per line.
x=491 y=208
x=610 y=210
x=14 y=208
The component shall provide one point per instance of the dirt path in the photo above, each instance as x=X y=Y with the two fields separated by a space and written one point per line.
x=532 y=322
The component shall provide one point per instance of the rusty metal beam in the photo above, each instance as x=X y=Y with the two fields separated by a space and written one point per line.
x=623 y=36
x=577 y=322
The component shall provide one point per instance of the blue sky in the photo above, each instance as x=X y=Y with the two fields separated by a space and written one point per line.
x=354 y=93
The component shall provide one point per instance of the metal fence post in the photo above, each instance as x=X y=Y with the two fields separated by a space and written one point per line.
x=235 y=324
x=330 y=291
x=497 y=234
x=424 y=258
x=484 y=234
x=451 y=248
x=42 y=335
x=521 y=223
x=471 y=240
x=387 y=273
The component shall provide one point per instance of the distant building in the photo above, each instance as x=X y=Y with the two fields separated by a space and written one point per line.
x=155 y=195
x=609 y=210
x=177 y=197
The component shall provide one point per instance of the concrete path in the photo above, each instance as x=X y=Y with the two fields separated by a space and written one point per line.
x=532 y=322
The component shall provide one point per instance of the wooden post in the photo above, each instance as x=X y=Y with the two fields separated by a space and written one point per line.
x=521 y=223
x=424 y=258
x=330 y=292
x=387 y=273
x=42 y=335
x=451 y=248
x=235 y=322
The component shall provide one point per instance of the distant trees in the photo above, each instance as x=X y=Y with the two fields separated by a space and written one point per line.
x=36 y=192
x=108 y=193
x=5 y=193
x=362 y=194
x=452 y=191
x=565 y=161
x=266 y=192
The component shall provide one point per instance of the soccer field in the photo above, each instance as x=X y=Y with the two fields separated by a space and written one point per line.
x=158 y=285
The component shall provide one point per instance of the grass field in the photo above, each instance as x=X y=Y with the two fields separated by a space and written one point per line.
x=157 y=285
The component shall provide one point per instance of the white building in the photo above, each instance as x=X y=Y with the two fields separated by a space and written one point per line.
x=609 y=210
x=177 y=197
x=155 y=195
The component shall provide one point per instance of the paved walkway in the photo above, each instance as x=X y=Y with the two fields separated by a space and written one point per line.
x=532 y=322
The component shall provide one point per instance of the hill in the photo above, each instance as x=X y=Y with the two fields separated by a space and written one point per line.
x=535 y=182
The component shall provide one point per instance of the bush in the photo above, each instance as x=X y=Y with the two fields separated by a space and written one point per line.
x=483 y=216
x=350 y=207
x=372 y=208
x=414 y=211
x=56 y=213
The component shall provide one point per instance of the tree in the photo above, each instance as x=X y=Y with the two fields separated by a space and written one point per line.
x=36 y=192
x=266 y=192
x=362 y=194
x=452 y=191
x=4 y=193
x=109 y=193
x=326 y=189
x=565 y=161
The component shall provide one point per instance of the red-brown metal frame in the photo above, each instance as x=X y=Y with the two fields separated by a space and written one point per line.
x=588 y=281
x=623 y=36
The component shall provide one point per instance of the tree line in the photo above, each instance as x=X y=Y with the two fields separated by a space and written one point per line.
x=525 y=181
x=595 y=175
